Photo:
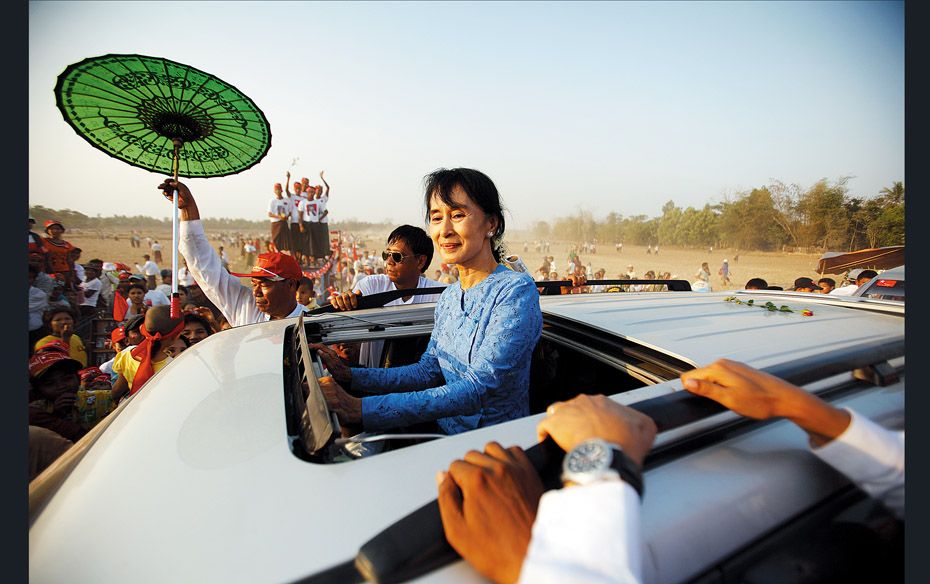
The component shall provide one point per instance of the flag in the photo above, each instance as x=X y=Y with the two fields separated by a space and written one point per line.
x=120 y=306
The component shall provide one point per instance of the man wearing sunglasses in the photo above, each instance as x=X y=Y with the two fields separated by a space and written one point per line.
x=408 y=254
x=275 y=276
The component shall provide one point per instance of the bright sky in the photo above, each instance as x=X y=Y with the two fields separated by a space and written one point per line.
x=566 y=106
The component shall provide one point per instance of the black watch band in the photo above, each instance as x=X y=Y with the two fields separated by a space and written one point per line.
x=628 y=470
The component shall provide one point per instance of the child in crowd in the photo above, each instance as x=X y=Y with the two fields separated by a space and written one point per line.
x=306 y=295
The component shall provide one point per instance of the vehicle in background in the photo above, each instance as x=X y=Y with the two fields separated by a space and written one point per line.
x=889 y=285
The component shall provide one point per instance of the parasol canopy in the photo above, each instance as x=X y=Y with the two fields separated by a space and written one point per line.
x=878 y=258
x=135 y=107
x=165 y=117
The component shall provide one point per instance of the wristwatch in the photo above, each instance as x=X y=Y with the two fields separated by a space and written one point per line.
x=597 y=459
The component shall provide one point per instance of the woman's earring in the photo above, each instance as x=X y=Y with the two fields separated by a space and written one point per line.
x=490 y=234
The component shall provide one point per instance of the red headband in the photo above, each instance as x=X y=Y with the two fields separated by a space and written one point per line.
x=143 y=352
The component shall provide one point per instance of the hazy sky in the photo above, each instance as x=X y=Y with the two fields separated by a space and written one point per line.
x=566 y=106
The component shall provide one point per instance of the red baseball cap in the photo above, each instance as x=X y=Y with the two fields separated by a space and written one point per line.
x=117 y=334
x=47 y=356
x=277 y=185
x=90 y=373
x=50 y=222
x=274 y=266
x=55 y=345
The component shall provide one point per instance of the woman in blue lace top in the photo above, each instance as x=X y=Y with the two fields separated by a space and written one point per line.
x=476 y=369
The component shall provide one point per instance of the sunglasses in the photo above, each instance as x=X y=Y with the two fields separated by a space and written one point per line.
x=395 y=256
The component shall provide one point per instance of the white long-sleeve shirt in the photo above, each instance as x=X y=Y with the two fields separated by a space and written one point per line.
x=586 y=535
x=872 y=457
x=591 y=534
x=224 y=290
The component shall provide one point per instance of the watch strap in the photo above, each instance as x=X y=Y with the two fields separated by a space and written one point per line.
x=627 y=469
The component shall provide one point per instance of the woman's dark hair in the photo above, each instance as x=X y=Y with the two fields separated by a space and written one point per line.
x=139 y=286
x=416 y=239
x=49 y=314
x=479 y=187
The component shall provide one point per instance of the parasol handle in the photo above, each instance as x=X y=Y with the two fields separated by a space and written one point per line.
x=175 y=297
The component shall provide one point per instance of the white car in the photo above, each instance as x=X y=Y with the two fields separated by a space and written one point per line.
x=215 y=472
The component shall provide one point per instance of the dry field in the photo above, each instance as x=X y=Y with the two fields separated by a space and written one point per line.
x=777 y=268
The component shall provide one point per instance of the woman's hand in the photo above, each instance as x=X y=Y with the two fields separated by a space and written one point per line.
x=346 y=407
x=336 y=366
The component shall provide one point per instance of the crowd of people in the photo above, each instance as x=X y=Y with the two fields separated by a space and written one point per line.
x=474 y=371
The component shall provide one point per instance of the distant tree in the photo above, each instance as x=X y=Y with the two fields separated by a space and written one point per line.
x=893 y=195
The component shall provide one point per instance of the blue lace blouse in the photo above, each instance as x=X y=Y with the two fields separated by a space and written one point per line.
x=476 y=369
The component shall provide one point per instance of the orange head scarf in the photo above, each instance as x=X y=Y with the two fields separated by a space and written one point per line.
x=143 y=352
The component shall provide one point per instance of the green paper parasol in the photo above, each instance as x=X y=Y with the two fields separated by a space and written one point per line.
x=134 y=107
x=165 y=117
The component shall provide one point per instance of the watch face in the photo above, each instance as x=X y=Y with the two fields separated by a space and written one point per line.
x=587 y=457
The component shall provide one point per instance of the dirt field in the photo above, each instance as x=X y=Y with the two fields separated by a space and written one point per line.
x=776 y=268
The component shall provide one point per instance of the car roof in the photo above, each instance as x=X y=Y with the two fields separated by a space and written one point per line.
x=700 y=327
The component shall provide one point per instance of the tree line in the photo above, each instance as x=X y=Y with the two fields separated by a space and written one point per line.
x=124 y=224
x=772 y=217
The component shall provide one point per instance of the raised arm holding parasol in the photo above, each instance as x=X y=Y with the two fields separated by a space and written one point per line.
x=165 y=117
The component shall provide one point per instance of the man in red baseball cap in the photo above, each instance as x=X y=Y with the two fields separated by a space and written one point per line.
x=53 y=385
x=275 y=276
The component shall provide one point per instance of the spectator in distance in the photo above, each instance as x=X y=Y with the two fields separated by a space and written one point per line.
x=58 y=253
x=861 y=278
x=306 y=295
x=826 y=285
x=165 y=286
x=756 y=284
x=90 y=289
x=196 y=328
x=137 y=305
x=150 y=270
x=805 y=284
x=59 y=321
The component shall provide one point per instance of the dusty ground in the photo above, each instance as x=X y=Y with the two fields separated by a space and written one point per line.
x=777 y=268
